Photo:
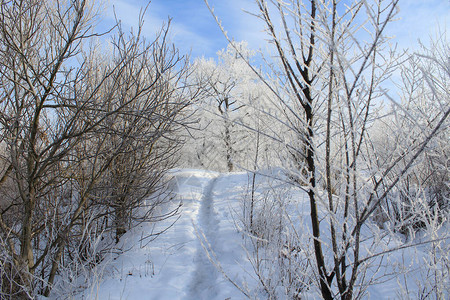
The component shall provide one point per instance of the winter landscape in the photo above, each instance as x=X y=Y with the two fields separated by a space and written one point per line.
x=307 y=161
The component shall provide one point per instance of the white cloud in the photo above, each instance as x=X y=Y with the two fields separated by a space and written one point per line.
x=194 y=28
x=191 y=25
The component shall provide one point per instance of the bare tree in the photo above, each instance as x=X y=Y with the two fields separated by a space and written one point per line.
x=86 y=137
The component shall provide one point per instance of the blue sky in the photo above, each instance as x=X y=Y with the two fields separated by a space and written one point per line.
x=194 y=30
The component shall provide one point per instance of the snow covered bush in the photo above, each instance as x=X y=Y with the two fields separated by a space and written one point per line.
x=278 y=247
x=424 y=94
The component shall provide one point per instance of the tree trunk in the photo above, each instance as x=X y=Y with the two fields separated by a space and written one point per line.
x=324 y=280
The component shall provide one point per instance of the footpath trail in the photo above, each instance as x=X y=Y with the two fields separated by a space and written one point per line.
x=175 y=265
x=203 y=283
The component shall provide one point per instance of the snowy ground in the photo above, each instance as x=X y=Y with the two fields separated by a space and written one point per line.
x=176 y=265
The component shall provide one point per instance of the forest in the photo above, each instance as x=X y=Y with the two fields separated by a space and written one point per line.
x=315 y=169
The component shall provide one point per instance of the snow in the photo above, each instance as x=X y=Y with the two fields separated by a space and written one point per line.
x=175 y=265
x=201 y=253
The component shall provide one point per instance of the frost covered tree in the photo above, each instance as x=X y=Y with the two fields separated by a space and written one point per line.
x=417 y=206
x=326 y=73
x=422 y=103
x=230 y=93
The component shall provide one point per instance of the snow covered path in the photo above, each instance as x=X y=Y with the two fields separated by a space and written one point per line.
x=175 y=265
x=203 y=281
